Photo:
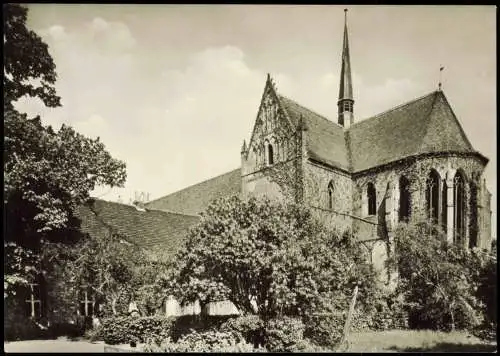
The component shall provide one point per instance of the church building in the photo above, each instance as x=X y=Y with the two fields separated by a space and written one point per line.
x=364 y=175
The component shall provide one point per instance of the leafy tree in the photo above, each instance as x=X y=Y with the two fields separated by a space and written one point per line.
x=269 y=259
x=26 y=61
x=105 y=264
x=437 y=279
x=47 y=173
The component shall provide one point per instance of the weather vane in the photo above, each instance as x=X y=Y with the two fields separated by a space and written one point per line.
x=440 y=77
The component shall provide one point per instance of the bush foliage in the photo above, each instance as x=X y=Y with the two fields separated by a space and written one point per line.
x=250 y=327
x=207 y=341
x=123 y=330
x=268 y=258
x=438 y=280
x=284 y=334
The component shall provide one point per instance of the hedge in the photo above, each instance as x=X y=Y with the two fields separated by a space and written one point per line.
x=125 y=329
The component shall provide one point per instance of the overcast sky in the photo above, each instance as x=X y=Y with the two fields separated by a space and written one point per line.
x=174 y=89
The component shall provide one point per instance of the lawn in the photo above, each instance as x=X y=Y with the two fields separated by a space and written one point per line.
x=373 y=341
x=417 y=341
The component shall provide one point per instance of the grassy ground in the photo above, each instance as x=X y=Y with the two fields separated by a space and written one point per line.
x=381 y=341
x=417 y=341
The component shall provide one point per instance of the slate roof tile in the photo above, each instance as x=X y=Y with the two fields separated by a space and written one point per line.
x=148 y=229
x=195 y=199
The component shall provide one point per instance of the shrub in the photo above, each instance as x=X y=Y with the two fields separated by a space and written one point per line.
x=26 y=329
x=208 y=341
x=387 y=313
x=18 y=326
x=284 y=334
x=186 y=324
x=75 y=329
x=324 y=329
x=94 y=334
x=250 y=327
x=123 y=330
x=437 y=279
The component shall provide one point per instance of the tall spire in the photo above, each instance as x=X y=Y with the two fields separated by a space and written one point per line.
x=346 y=101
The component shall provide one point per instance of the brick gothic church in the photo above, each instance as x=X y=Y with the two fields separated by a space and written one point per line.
x=414 y=159
x=364 y=175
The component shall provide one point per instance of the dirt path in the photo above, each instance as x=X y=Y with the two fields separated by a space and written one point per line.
x=49 y=346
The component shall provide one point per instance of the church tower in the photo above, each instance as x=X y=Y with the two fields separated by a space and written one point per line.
x=346 y=101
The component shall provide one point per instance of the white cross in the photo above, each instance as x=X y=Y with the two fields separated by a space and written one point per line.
x=86 y=303
x=32 y=300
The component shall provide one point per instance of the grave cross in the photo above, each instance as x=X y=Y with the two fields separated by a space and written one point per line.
x=86 y=302
x=32 y=299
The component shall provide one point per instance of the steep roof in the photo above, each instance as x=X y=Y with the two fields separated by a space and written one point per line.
x=424 y=125
x=196 y=198
x=325 y=139
x=147 y=229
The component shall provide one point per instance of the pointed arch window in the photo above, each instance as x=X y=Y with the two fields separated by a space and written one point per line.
x=432 y=196
x=372 y=199
x=444 y=207
x=404 y=199
x=459 y=206
x=270 y=154
x=330 y=195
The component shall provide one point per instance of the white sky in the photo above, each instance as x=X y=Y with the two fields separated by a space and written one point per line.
x=174 y=89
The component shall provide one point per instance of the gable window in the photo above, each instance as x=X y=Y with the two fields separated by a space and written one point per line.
x=270 y=154
x=33 y=301
x=372 y=199
x=330 y=195
x=404 y=199
x=432 y=196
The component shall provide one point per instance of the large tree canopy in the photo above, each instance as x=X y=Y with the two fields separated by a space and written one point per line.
x=437 y=279
x=269 y=259
x=26 y=60
x=47 y=173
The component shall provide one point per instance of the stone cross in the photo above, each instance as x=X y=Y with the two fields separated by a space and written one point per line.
x=86 y=303
x=32 y=300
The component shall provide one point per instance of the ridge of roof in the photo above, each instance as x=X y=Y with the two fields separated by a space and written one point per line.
x=193 y=185
x=464 y=136
x=311 y=111
x=376 y=116
x=146 y=209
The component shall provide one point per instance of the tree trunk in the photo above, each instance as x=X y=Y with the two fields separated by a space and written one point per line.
x=113 y=306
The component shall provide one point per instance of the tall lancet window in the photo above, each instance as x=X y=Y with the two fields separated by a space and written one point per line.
x=372 y=199
x=444 y=206
x=404 y=199
x=432 y=196
x=330 y=195
x=459 y=203
x=270 y=154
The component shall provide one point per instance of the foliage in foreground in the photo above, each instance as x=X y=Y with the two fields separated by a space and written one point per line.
x=439 y=281
x=269 y=259
x=123 y=330
x=48 y=173
x=207 y=341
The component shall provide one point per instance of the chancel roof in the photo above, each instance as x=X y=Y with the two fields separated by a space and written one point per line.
x=423 y=125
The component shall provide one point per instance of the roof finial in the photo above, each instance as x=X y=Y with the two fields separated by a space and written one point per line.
x=440 y=71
